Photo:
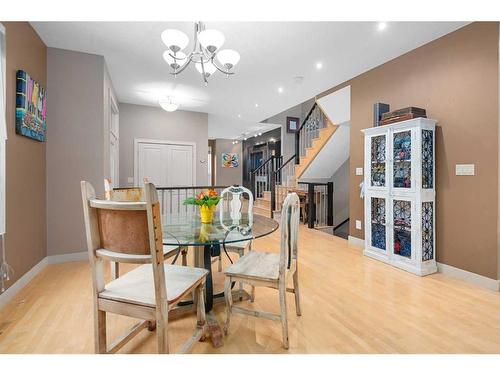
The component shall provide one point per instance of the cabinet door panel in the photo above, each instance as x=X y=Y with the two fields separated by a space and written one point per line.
x=402 y=215
x=378 y=161
x=378 y=223
x=402 y=148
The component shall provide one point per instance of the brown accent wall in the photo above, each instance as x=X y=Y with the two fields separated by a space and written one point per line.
x=25 y=201
x=456 y=79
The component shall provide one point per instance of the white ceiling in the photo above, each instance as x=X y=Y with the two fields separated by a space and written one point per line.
x=272 y=54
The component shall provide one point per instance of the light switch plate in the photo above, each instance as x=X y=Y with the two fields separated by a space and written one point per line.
x=359 y=171
x=130 y=180
x=358 y=224
x=465 y=170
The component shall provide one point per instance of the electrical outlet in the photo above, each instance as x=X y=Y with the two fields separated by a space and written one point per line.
x=130 y=180
x=464 y=169
x=358 y=224
x=359 y=171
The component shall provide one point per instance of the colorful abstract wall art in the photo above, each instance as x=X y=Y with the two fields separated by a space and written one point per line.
x=230 y=160
x=31 y=107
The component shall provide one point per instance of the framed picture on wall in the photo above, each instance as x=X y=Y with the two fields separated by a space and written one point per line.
x=292 y=124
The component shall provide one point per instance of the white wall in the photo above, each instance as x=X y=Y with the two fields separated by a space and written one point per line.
x=138 y=121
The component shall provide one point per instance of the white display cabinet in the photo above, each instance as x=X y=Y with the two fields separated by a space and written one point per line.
x=399 y=182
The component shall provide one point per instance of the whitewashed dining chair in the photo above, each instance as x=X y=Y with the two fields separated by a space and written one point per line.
x=231 y=208
x=130 y=232
x=230 y=212
x=136 y=195
x=272 y=270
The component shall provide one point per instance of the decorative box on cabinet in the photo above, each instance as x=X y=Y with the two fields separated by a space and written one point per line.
x=400 y=195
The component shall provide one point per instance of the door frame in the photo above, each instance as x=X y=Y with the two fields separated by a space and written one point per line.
x=138 y=141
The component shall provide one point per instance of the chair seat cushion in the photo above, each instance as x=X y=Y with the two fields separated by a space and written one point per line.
x=137 y=286
x=256 y=265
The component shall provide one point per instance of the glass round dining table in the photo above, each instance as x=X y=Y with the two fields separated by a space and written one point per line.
x=186 y=230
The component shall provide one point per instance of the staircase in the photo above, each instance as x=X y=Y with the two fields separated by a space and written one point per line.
x=281 y=177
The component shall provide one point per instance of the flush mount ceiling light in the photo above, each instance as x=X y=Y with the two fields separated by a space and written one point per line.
x=381 y=26
x=168 y=105
x=205 y=55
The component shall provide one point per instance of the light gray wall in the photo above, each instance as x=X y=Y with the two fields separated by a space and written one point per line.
x=227 y=176
x=288 y=139
x=341 y=194
x=138 y=121
x=75 y=143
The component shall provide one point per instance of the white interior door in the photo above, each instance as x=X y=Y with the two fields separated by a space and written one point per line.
x=152 y=163
x=166 y=165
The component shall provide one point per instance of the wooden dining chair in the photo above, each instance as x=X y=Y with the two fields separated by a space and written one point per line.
x=136 y=194
x=230 y=209
x=272 y=270
x=130 y=232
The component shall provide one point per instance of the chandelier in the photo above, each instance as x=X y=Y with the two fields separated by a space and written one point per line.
x=206 y=56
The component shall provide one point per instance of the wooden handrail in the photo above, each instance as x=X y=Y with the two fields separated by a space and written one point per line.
x=307 y=116
x=285 y=163
x=262 y=165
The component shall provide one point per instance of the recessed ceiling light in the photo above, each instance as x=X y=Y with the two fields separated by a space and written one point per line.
x=256 y=105
x=319 y=65
x=260 y=133
x=239 y=116
x=381 y=26
x=280 y=89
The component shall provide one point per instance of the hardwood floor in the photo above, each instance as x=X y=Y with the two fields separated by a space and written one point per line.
x=350 y=304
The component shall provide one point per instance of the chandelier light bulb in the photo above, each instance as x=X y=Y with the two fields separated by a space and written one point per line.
x=174 y=63
x=175 y=40
x=228 y=57
x=211 y=39
x=168 y=105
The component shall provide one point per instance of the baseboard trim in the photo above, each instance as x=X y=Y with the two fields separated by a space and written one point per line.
x=70 y=257
x=356 y=242
x=468 y=276
x=7 y=296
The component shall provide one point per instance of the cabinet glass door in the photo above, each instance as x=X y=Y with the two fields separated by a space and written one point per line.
x=401 y=211
x=401 y=147
x=378 y=160
x=378 y=223
x=427 y=159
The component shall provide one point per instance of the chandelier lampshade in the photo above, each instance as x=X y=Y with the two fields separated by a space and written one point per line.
x=205 y=55
x=168 y=105
x=228 y=58
x=208 y=66
x=175 y=40
x=174 y=63
x=211 y=39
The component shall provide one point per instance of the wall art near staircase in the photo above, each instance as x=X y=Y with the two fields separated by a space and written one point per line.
x=400 y=195
x=31 y=107
x=230 y=160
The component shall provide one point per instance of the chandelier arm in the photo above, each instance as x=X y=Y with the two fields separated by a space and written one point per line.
x=183 y=67
x=219 y=69
x=177 y=58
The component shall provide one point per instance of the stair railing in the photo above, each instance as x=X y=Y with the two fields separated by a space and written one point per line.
x=318 y=207
x=285 y=179
x=262 y=177
x=308 y=131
